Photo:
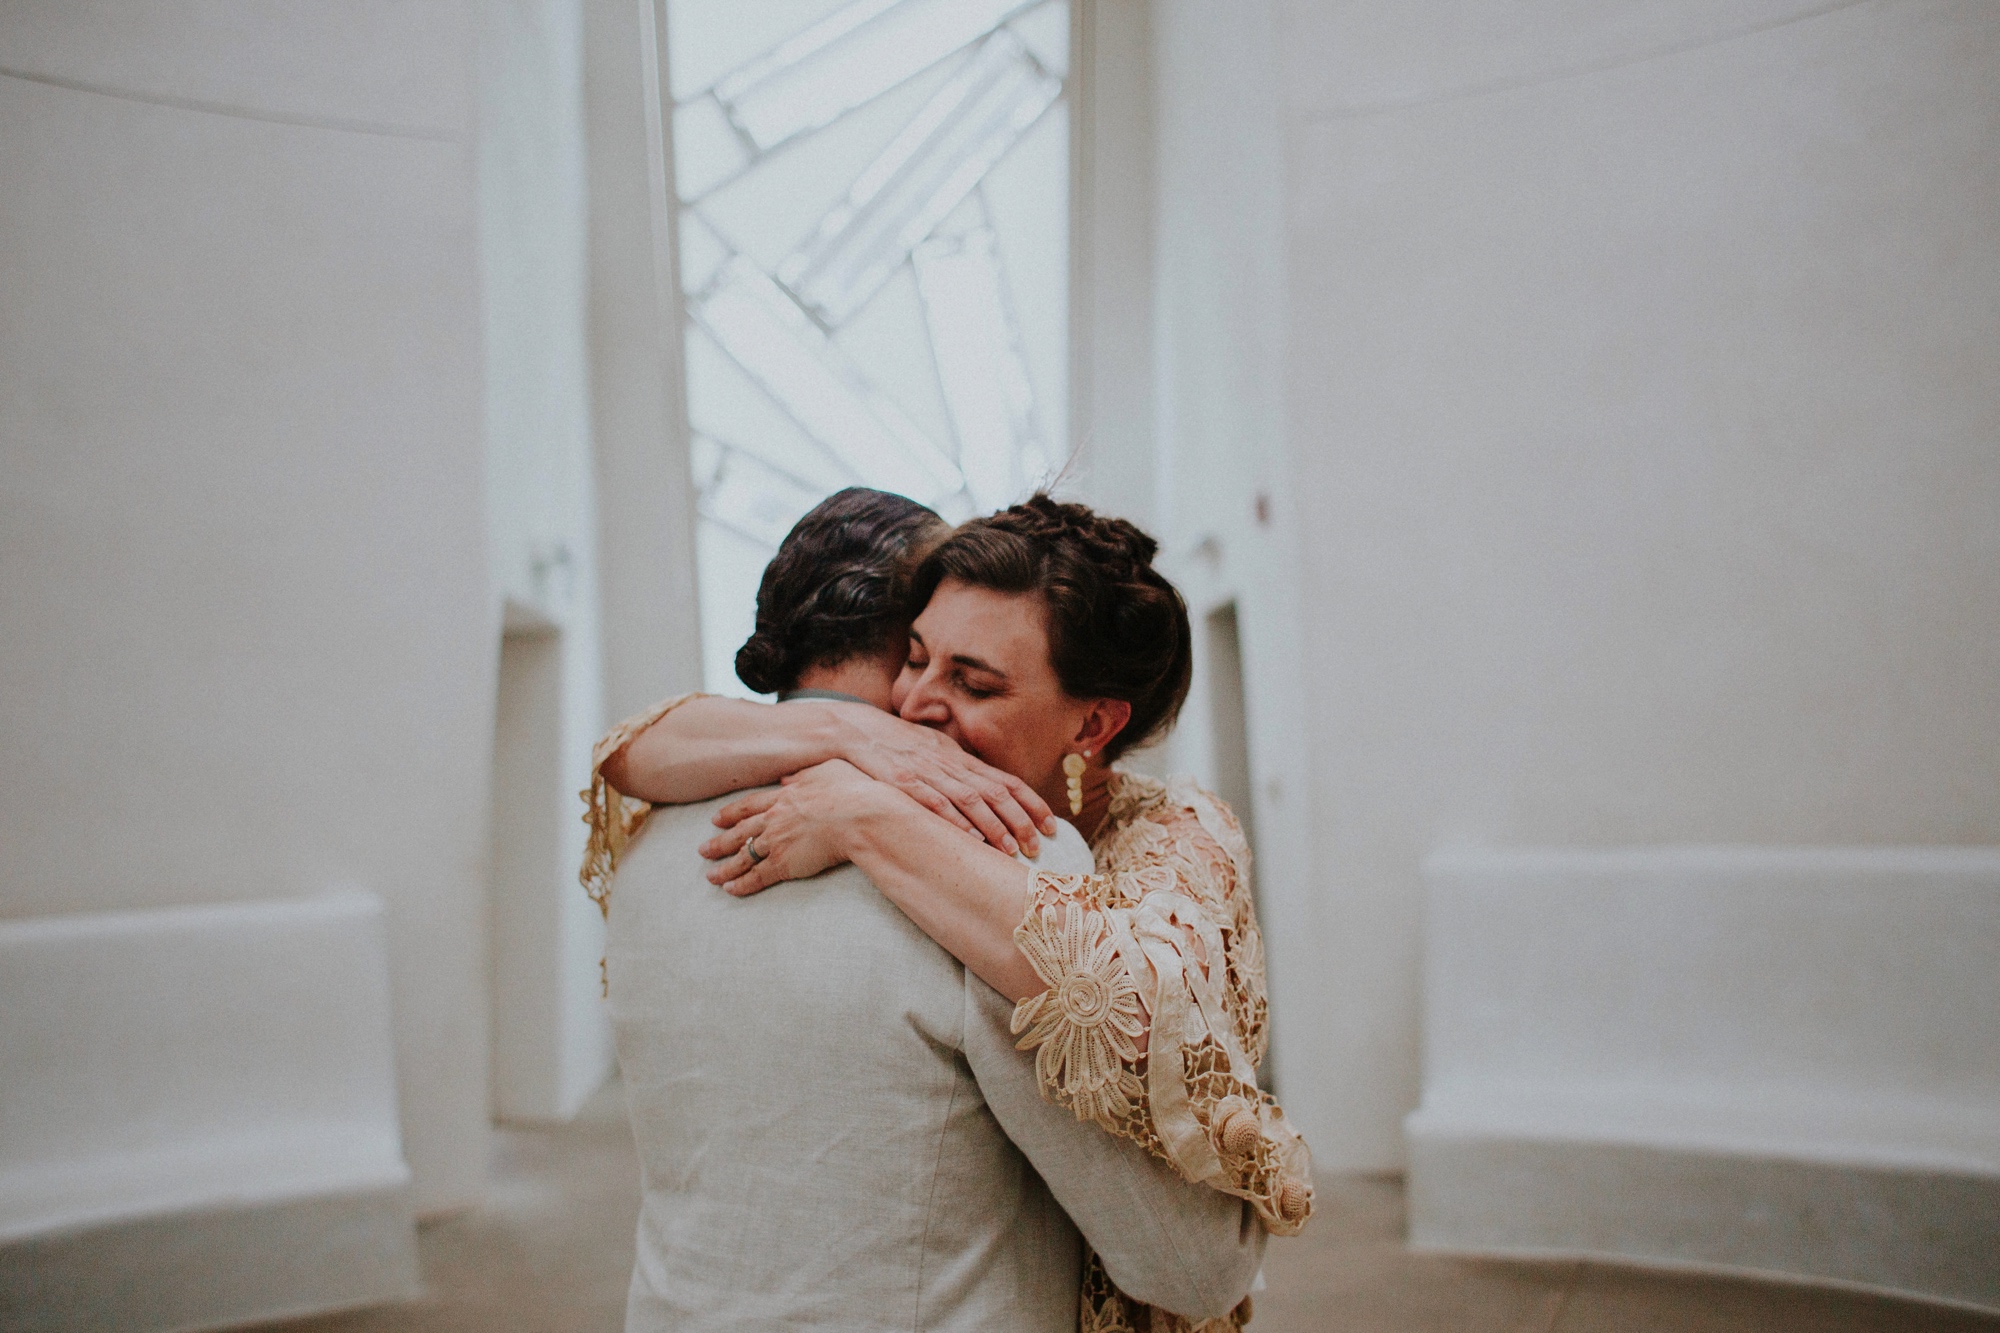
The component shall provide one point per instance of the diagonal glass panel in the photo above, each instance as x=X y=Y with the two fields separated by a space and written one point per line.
x=767 y=210
x=889 y=343
x=756 y=500
x=702 y=251
x=979 y=362
x=708 y=39
x=818 y=386
x=725 y=404
x=920 y=178
x=731 y=566
x=704 y=460
x=851 y=56
x=799 y=49
x=968 y=216
x=1046 y=31
x=707 y=148
x=707 y=454
x=1025 y=198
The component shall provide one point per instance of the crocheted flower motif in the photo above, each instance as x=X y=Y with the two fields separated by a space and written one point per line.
x=1083 y=1027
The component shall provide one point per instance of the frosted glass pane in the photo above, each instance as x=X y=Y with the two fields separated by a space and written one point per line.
x=979 y=364
x=819 y=387
x=890 y=343
x=726 y=405
x=1027 y=198
x=1045 y=30
x=954 y=508
x=707 y=151
x=772 y=207
x=903 y=167
x=706 y=39
x=704 y=460
x=702 y=252
x=841 y=63
x=970 y=215
x=729 y=566
x=755 y=500
x=988 y=104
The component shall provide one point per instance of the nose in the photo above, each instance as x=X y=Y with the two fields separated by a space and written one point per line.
x=925 y=703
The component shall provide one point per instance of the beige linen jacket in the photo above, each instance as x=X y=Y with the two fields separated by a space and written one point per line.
x=836 y=1131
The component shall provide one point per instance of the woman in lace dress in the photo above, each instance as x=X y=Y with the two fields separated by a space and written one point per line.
x=1047 y=645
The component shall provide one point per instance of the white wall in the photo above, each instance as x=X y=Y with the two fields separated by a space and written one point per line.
x=592 y=516
x=246 y=642
x=1219 y=326
x=1638 y=390
x=1112 y=200
x=552 y=1045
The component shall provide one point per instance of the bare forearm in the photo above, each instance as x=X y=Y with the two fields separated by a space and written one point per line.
x=710 y=746
x=958 y=890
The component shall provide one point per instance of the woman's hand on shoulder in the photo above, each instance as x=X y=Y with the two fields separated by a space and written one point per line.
x=930 y=768
x=798 y=829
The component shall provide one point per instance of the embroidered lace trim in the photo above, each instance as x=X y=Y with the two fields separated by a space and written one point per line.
x=1084 y=1028
x=1167 y=923
x=614 y=818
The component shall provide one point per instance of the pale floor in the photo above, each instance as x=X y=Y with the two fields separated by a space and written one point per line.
x=552 y=1247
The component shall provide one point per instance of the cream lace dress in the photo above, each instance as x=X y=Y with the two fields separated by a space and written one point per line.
x=1166 y=928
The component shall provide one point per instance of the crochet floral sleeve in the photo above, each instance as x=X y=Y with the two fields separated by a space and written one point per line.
x=1163 y=942
x=614 y=818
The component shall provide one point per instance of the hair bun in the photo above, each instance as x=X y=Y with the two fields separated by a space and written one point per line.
x=760 y=662
x=1110 y=541
x=836 y=589
x=1123 y=536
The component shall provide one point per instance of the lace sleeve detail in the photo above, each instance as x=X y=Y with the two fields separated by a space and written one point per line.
x=1084 y=1028
x=1163 y=944
x=613 y=817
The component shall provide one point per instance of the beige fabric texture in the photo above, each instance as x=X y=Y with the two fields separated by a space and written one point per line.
x=836 y=1130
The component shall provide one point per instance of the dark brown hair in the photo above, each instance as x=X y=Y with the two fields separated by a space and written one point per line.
x=838 y=588
x=1117 y=629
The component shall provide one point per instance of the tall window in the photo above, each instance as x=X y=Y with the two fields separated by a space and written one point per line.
x=874 y=251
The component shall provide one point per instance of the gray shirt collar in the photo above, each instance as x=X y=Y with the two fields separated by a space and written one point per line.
x=786 y=696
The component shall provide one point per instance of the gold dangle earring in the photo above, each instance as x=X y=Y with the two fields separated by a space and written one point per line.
x=1073 y=770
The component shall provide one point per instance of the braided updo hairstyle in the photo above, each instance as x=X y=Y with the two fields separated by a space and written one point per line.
x=838 y=587
x=1117 y=629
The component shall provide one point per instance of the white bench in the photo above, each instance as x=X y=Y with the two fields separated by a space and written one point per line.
x=1764 y=1059
x=198 y=1120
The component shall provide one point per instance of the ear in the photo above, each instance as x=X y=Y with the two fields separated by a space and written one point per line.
x=1101 y=725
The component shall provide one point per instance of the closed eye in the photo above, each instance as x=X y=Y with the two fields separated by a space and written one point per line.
x=977 y=691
